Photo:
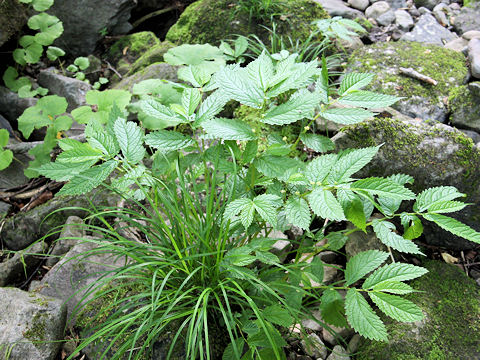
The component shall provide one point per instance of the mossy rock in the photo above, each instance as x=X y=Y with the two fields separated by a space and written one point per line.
x=209 y=21
x=464 y=104
x=451 y=305
x=12 y=17
x=162 y=71
x=153 y=55
x=420 y=99
x=433 y=154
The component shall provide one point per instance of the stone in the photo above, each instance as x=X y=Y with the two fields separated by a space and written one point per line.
x=428 y=30
x=475 y=136
x=12 y=106
x=25 y=228
x=339 y=353
x=423 y=10
x=13 y=16
x=314 y=346
x=281 y=248
x=463 y=104
x=450 y=302
x=441 y=17
x=359 y=241
x=199 y=23
x=420 y=100
x=5 y=208
x=335 y=334
x=328 y=257
x=354 y=343
x=71 y=234
x=468 y=18
x=394 y=4
x=5 y=124
x=386 y=18
x=349 y=45
x=376 y=9
x=359 y=4
x=472 y=34
x=151 y=56
x=433 y=154
x=474 y=57
x=339 y=8
x=71 y=89
x=71 y=277
x=429 y=4
x=84 y=21
x=155 y=71
x=403 y=19
x=457 y=45
x=13 y=176
x=32 y=323
x=15 y=268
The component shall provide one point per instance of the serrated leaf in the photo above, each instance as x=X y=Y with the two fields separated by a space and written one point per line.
x=275 y=166
x=100 y=139
x=368 y=99
x=234 y=207
x=394 y=272
x=130 y=138
x=277 y=314
x=234 y=82
x=430 y=197
x=267 y=257
x=317 y=143
x=383 y=187
x=228 y=129
x=190 y=100
x=385 y=232
x=165 y=140
x=195 y=75
x=246 y=215
x=156 y=110
x=354 y=212
x=346 y=116
x=396 y=307
x=292 y=76
x=336 y=240
x=332 y=308
x=393 y=287
x=60 y=171
x=350 y=162
x=266 y=205
x=301 y=105
x=362 y=318
x=319 y=168
x=413 y=229
x=325 y=205
x=454 y=226
x=261 y=70
x=298 y=213
x=80 y=154
x=230 y=353
x=354 y=81
x=363 y=263
x=88 y=179
x=446 y=206
x=211 y=106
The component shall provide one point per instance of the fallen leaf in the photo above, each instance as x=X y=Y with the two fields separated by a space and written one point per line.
x=449 y=259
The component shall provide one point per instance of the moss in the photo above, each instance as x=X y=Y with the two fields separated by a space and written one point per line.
x=151 y=56
x=451 y=302
x=130 y=47
x=200 y=23
x=463 y=105
x=12 y=17
x=445 y=66
x=36 y=332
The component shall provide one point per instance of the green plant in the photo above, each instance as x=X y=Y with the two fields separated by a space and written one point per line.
x=80 y=64
x=259 y=9
x=6 y=156
x=199 y=258
x=338 y=27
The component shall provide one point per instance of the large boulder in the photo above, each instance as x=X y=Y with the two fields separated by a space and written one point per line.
x=450 y=330
x=469 y=18
x=433 y=153
x=420 y=99
x=209 y=21
x=12 y=18
x=464 y=104
x=162 y=71
x=31 y=325
x=428 y=30
x=340 y=8
x=84 y=22
x=12 y=106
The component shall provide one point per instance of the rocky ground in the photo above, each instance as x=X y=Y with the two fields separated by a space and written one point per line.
x=426 y=51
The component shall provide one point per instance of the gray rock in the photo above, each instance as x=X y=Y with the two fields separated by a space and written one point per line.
x=69 y=236
x=472 y=34
x=468 y=18
x=433 y=154
x=455 y=7
x=338 y=8
x=474 y=57
x=154 y=71
x=314 y=346
x=440 y=15
x=13 y=16
x=32 y=323
x=5 y=124
x=386 y=18
x=475 y=136
x=394 y=4
x=403 y=19
x=376 y=9
x=457 y=45
x=11 y=106
x=71 y=277
x=13 y=175
x=25 y=228
x=429 y=4
x=428 y=30
x=359 y=4
x=328 y=257
x=71 y=89
x=15 y=268
x=359 y=241
x=335 y=334
x=84 y=21
x=4 y=209
x=339 y=353
x=464 y=107
x=423 y=10
x=353 y=343
x=330 y=274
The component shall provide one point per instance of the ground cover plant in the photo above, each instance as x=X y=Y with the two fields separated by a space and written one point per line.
x=206 y=208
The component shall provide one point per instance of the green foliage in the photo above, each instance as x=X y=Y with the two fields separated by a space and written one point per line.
x=338 y=27
x=6 y=156
x=259 y=9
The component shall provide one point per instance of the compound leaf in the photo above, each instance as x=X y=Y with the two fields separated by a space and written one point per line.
x=363 y=263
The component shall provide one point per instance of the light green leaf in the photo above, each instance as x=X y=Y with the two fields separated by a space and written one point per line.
x=275 y=166
x=166 y=141
x=61 y=171
x=10 y=78
x=277 y=314
x=368 y=99
x=319 y=168
x=363 y=263
x=130 y=138
x=362 y=318
x=354 y=212
x=385 y=232
x=19 y=56
x=246 y=216
x=267 y=257
x=383 y=187
x=156 y=110
x=53 y=52
x=413 y=227
x=235 y=207
x=396 y=307
x=317 y=143
x=446 y=206
x=298 y=212
x=195 y=75
x=261 y=71
x=100 y=139
x=292 y=76
x=211 y=106
x=89 y=179
x=325 y=205
x=33 y=53
x=432 y=196
x=349 y=162
x=454 y=226
x=190 y=100
x=394 y=287
x=228 y=129
x=236 y=84
x=346 y=116
x=205 y=55
x=82 y=62
x=301 y=105
x=394 y=272
x=354 y=81
x=6 y=157
x=80 y=154
x=42 y=5
x=266 y=205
